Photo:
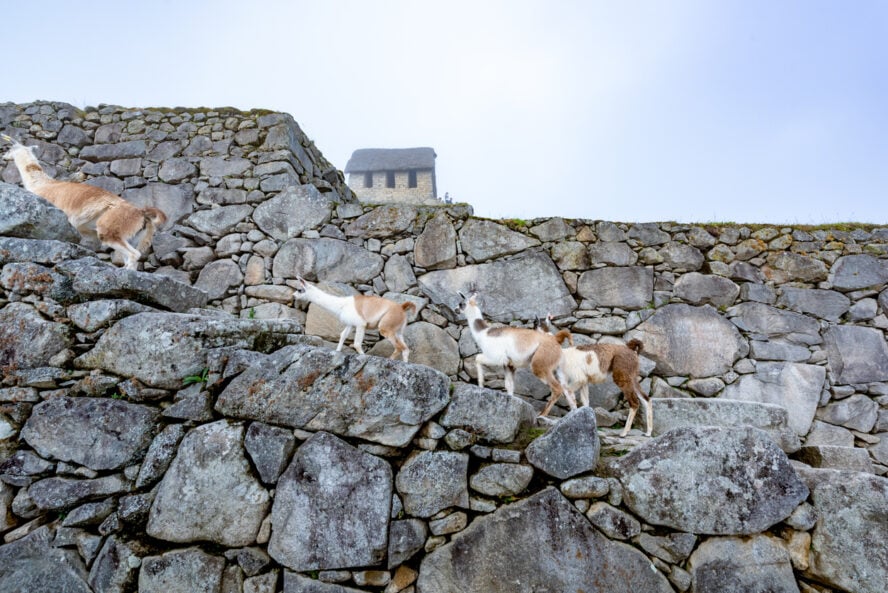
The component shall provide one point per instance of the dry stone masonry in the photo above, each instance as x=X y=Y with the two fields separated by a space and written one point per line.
x=188 y=428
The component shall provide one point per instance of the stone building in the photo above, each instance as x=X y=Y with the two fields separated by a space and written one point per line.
x=402 y=175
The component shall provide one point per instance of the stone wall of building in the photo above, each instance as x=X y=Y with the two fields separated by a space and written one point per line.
x=206 y=360
x=402 y=193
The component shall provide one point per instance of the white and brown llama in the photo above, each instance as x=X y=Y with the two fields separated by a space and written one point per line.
x=593 y=363
x=90 y=209
x=512 y=348
x=361 y=312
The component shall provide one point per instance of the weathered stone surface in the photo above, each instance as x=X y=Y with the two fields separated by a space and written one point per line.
x=436 y=246
x=794 y=386
x=686 y=340
x=160 y=455
x=399 y=274
x=679 y=256
x=176 y=201
x=612 y=254
x=270 y=448
x=541 y=290
x=329 y=260
x=431 y=481
x=34 y=564
x=102 y=434
x=701 y=289
x=856 y=354
x=293 y=211
x=690 y=467
x=27 y=340
x=759 y=564
x=219 y=221
x=116 y=567
x=778 y=349
x=673 y=548
x=853 y=459
x=671 y=413
x=857 y=412
x=490 y=415
x=217 y=277
x=569 y=448
x=613 y=522
x=176 y=170
x=41 y=251
x=484 y=239
x=827 y=304
x=376 y=399
x=385 y=221
x=501 y=479
x=27 y=216
x=849 y=545
x=94 y=315
x=53 y=494
x=118 y=150
x=161 y=349
x=406 y=538
x=624 y=287
x=648 y=233
x=331 y=507
x=190 y=570
x=541 y=543
x=758 y=318
x=209 y=492
x=94 y=279
x=296 y=583
x=429 y=345
x=853 y=272
x=794 y=267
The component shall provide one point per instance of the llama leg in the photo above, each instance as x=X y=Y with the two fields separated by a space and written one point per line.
x=359 y=339
x=129 y=254
x=584 y=394
x=509 y=372
x=649 y=413
x=343 y=336
x=629 y=420
x=405 y=351
x=480 y=361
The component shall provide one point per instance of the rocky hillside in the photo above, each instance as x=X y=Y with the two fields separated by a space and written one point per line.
x=186 y=428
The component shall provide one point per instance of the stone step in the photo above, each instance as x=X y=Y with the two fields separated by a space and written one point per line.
x=833 y=457
x=671 y=413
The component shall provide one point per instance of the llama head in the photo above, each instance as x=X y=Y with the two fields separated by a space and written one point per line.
x=18 y=148
x=467 y=302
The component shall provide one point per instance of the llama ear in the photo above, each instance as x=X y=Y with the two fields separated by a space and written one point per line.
x=461 y=295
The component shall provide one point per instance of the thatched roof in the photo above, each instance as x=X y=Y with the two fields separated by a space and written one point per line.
x=390 y=159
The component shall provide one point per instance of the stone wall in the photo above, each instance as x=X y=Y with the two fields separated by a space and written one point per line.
x=402 y=193
x=179 y=427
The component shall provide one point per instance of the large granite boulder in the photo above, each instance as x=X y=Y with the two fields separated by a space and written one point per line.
x=382 y=222
x=324 y=259
x=856 y=354
x=569 y=448
x=39 y=251
x=490 y=415
x=435 y=247
x=190 y=570
x=760 y=564
x=542 y=543
x=161 y=349
x=853 y=272
x=209 y=492
x=673 y=479
x=102 y=434
x=293 y=211
x=686 y=340
x=431 y=481
x=368 y=397
x=28 y=340
x=624 y=287
x=484 y=239
x=504 y=297
x=331 y=508
x=762 y=319
x=34 y=564
x=28 y=216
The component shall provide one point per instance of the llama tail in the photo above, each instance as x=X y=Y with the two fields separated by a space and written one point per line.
x=564 y=334
x=635 y=345
x=154 y=217
x=407 y=306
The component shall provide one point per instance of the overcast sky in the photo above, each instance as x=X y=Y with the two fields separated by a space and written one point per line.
x=769 y=111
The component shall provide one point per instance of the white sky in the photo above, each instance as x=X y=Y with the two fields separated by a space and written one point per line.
x=771 y=111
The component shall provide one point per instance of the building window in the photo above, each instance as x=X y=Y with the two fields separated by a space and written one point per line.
x=390 y=179
x=368 y=179
x=411 y=179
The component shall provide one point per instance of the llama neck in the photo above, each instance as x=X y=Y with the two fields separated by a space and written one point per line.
x=31 y=172
x=325 y=300
x=477 y=325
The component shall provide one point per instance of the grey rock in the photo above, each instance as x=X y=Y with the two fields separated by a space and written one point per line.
x=209 y=492
x=161 y=349
x=541 y=290
x=25 y=463
x=219 y=221
x=223 y=166
x=600 y=325
x=569 y=448
x=436 y=246
x=794 y=386
x=252 y=560
x=94 y=280
x=701 y=289
x=673 y=548
x=91 y=513
x=111 y=152
x=223 y=197
x=331 y=507
x=217 y=277
x=863 y=310
x=690 y=341
x=831 y=457
x=553 y=229
x=375 y=399
x=429 y=345
x=431 y=481
x=853 y=272
x=849 y=544
x=40 y=251
x=53 y=494
x=33 y=564
x=857 y=412
x=197 y=406
x=521 y=547
x=490 y=415
x=679 y=256
x=382 y=222
x=406 y=538
x=270 y=448
x=328 y=260
x=189 y=570
x=297 y=583
x=690 y=467
x=27 y=340
x=571 y=255
x=675 y=413
x=33 y=279
x=612 y=254
x=613 y=522
x=293 y=211
x=826 y=304
x=707 y=387
x=758 y=318
x=175 y=170
x=102 y=434
x=648 y=233
x=399 y=274
x=160 y=454
x=823 y=433
x=624 y=287
x=484 y=239
x=856 y=354
x=116 y=567
x=501 y=479
x=94 y=315
x=760 y=564
x=794 y=267
x=176 y=201
x=778 y=349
